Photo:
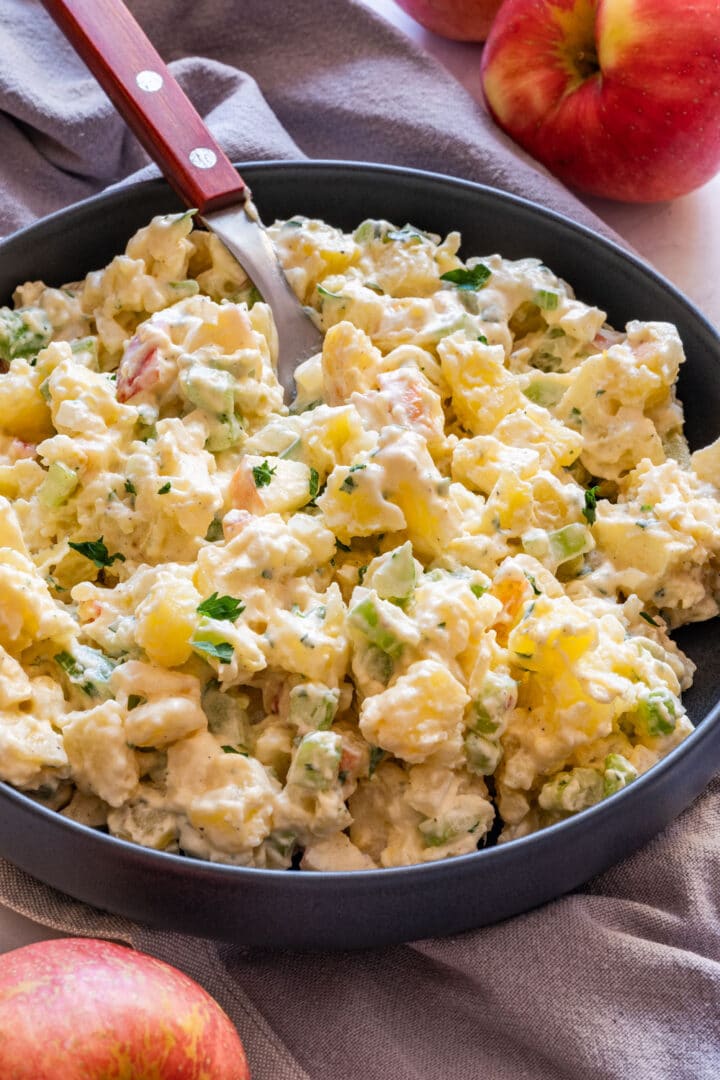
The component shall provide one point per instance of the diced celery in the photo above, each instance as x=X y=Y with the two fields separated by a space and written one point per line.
x=496 y=697
x=87 y=345
x=366 y=231
x=546 y=299
x=657 y=712
x=570 y=792
x=619 y=772
x=225 y=432
x=545 y=392
x=283 y=841
x=226 y=715
x=58 y=486
x=87 y=668
x=454 y=823
x=379 y=665
x=312 y=706
x=368 y=620
x=483 y=755
x=570 y=541
x=211 y=639
x=317 y=761
x=143 y=824
x=559 y=546
x=23 y=333
x=526 y=319
x=210 y=389
x=395 y=577
x=182 y=289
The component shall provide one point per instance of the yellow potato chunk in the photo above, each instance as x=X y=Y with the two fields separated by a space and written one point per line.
x=166 y=620
x=97 y=747
x=350 y=363
x=483 y=391
x=419 y=716
x=28 y=612
x=24 y=412
x=354 y=503
x=163 y=721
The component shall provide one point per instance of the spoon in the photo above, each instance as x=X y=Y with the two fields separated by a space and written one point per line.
x=156 y=109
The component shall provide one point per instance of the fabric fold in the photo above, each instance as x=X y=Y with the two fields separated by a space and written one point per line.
x=621 y=978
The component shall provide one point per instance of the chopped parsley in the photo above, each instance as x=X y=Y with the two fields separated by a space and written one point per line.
x=221 y=607
x=407 y=233
x=263 y=474
x=376 y=756
x=533 y=583
x=340 y=546
x=478 y=590
x=348 y=483
x=233 y=750
x=215 y=530
x=130 y=487
x=167 y=486
x=97 y=552
x=590 y=504
x=221 y=650
x=648 y=618
x=314 y=483
x=468 y=278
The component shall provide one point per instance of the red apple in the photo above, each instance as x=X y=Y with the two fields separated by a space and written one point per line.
x=460 y=20
x=619 y=98
x=83 y=1009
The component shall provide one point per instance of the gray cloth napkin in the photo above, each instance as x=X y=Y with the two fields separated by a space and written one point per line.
x=620 y=979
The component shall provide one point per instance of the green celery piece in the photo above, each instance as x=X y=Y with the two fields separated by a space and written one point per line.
x=658 y=712
x=569 y=541
x=316 y=763
x=313 y=706
x=23 y=333
x=58 y=486
x=546 y=299
x=570 y=792
x=395 y=579
x=619 y=772
x=88 y=668
x=483 y=755
x=366 y=618
x=544 y=392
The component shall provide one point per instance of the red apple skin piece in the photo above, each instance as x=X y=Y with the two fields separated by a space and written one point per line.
x=84 y=1009
x=617 y=98
x=459 y=20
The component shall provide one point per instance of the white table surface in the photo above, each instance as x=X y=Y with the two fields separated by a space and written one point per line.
x=681 y=239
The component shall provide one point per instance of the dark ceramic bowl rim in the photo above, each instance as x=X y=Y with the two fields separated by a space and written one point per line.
x=622 y=801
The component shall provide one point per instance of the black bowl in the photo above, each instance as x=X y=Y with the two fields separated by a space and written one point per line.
x=335 y=910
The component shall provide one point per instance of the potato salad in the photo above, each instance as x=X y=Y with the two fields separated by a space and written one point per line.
x=424 y=607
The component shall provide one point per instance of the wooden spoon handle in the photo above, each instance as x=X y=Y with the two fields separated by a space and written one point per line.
x=146 y=95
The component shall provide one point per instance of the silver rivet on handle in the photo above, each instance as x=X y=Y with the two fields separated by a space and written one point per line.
x=202 y=157
x=150 y=81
